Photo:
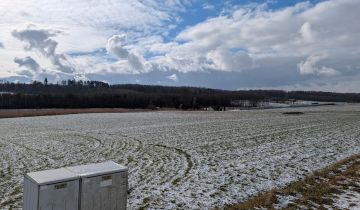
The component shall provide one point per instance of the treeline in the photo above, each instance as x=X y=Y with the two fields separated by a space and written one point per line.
x=96 y=94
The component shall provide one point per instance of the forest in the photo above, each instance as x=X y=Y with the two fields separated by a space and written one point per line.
x=97 y=94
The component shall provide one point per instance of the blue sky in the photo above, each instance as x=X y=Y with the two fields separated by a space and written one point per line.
x=273 y=44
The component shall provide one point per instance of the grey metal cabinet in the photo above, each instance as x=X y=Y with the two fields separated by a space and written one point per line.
x=103 y=186
x=100 y=186
x=51 y=190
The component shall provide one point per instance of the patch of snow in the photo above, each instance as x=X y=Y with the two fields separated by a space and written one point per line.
x=348 y=199
x=284 y=201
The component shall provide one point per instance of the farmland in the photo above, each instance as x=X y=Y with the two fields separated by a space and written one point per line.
x=182 y=159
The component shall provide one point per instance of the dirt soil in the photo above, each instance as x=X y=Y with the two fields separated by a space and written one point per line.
x=12 y=113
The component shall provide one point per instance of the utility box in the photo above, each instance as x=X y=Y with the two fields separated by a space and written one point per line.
x=103 y=186
x=52 y=189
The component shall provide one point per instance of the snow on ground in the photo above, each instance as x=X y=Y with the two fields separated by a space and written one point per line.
x=187 y=160
x=284 y=201
x=348 y=198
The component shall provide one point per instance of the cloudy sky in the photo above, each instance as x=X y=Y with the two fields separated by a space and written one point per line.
x=229 y=44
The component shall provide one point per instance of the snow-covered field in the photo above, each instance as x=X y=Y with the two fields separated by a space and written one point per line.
x=186 y=160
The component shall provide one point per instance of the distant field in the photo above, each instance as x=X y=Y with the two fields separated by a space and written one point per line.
x=186 y=160
x=13 y=113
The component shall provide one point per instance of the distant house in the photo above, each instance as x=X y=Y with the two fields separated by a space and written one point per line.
x=248 y=103
x=208 y=108
x=242 y=103
x=290 y=101
x=263 y=103
x=6 y=93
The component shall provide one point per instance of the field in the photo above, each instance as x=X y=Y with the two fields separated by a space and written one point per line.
x=185 y=160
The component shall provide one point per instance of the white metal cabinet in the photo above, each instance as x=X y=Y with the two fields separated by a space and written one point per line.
x=103 y=186
x=51 y=190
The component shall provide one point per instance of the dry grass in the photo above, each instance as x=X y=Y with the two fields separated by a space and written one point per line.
x=12 y=113
x=317 y=188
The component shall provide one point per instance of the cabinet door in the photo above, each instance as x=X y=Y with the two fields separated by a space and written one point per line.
x=59 y=196
x=121 y=191
x=104 y=192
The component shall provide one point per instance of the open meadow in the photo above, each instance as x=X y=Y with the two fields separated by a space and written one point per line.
x=185 y=160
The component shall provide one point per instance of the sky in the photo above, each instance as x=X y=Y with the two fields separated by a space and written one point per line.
x=228 y=44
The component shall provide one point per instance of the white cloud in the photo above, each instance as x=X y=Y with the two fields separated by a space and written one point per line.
x=28 y=63
x=173 y=77
x=309 y=66
x=142 y=15
x=115 y=46
x=307 y=32
x=85 y=25
x=30 y=69
x=311 y=41
x=224 y=59
x=292 y=33
x=1 y=45
x=207 y=6
x=40 y=40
